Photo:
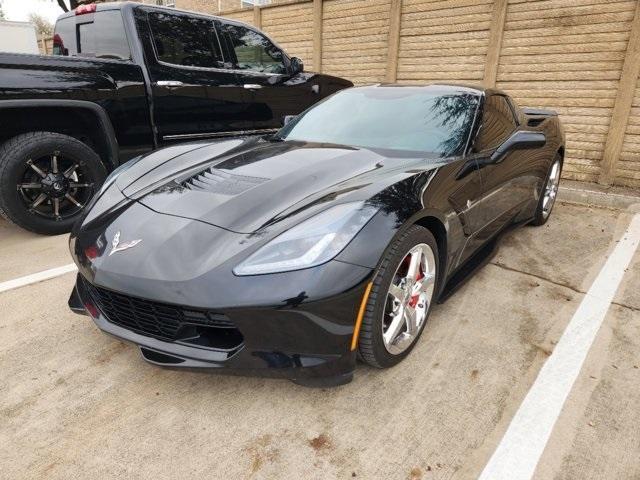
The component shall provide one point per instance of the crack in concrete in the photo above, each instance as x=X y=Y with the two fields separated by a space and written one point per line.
x=548 y=280
x=624 y=305
x=559 y=284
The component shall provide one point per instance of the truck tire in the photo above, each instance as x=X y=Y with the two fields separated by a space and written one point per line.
x=46 y=179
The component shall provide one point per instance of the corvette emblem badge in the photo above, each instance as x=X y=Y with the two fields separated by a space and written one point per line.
x=116 y=247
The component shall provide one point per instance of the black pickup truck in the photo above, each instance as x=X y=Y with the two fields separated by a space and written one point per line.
x=125 y=79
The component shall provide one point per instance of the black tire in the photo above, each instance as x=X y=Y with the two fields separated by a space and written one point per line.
x=371 y=348
x=14 y=155
x=539 y=217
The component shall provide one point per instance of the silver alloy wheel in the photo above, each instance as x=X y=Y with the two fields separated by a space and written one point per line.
x=551 y=189
x=409 y=299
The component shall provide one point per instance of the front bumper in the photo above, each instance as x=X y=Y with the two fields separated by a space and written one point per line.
x=308 y=343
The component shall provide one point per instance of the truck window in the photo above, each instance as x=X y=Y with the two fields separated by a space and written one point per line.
x=187 y=41
x=253 y=50
x=100 y=35
x=64 y=37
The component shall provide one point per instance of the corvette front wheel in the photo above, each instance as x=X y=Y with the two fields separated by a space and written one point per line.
x=401 y=297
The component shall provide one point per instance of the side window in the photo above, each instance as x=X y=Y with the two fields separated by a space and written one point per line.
x=516 y=109
x=497 y=124
x=187 y=41
x=102 y=36
x=253 y=51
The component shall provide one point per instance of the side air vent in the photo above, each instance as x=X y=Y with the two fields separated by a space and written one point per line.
x=214 y=180
x=534 y=122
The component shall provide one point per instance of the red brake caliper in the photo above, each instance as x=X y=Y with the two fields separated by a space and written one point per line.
x=414 y=298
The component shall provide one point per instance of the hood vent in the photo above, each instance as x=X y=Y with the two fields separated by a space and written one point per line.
x=214 y=180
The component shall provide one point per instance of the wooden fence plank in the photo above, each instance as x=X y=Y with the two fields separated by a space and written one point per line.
x=622 y=106
x=257 y=17
x=496 y=32
x=317 y=35
x=395 y=13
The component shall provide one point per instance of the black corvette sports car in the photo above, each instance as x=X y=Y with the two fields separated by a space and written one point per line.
x=294 y=254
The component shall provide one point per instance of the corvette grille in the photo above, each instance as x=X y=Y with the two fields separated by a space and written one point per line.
x=159 y=320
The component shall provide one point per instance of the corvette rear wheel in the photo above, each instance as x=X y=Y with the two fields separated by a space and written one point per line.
x=549 y=194
x=401 y=298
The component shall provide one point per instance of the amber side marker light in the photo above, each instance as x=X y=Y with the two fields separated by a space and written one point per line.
x=363 y=306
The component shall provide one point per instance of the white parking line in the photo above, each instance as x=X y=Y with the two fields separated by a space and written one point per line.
x=37 y=277
x=520 y=449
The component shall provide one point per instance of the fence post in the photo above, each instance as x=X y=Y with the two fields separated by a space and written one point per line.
x=257 y=17
x=495 y=42
x=317 y=35
x=622 y=105
x=395 y=14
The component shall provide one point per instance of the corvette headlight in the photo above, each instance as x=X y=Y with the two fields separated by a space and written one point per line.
x=312 y=242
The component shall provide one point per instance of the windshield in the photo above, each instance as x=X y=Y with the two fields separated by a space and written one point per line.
x=399 y=118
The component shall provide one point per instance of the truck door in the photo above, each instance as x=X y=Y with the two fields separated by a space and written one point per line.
x=108 y=76
x=195 y=94
x=263 y=69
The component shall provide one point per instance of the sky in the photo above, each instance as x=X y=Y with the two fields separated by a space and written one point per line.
x=19 y=10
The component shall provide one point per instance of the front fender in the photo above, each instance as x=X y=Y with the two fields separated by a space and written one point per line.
x=401 y=206
x=368 y=247
x=104 y=133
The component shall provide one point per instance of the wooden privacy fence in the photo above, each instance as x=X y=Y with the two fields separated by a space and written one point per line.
x=45 y=44
x=579 y=57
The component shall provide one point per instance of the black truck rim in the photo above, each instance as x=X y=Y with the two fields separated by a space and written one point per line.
x=55 y=187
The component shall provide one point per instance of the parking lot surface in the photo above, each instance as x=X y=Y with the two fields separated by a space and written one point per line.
x=75 y=403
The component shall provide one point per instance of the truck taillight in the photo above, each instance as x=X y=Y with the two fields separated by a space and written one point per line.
x=82 y=9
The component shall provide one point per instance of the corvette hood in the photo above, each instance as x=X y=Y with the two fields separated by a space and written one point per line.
x=242 y=186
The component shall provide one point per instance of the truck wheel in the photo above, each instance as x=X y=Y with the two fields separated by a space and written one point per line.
x=46 y=179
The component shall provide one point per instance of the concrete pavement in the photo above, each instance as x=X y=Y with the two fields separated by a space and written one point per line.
x=75 y=403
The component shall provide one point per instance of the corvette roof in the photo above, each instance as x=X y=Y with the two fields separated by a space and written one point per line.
x=451 y=88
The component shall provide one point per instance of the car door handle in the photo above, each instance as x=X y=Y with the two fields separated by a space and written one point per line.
x=169 y=83
x=252 y=86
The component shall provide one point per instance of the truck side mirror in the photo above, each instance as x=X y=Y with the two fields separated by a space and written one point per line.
x=296 y=65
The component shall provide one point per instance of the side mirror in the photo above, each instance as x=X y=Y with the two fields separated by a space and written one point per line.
x=288 y=118
x=520 y=140
x=296 y=65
